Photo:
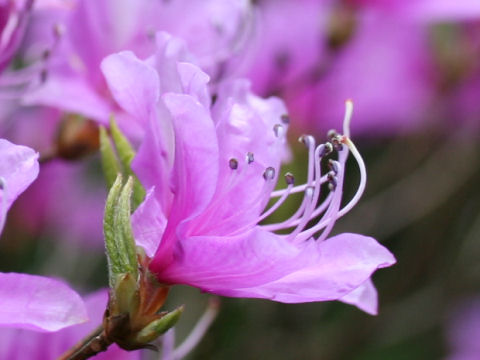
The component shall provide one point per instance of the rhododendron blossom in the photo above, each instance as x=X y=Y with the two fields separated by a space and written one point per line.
x=208 y=189
x=21 y=344
x=29 y=301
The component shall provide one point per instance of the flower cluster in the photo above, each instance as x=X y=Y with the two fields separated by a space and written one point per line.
x=203 y=155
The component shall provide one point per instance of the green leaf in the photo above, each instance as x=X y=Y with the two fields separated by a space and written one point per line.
x=126 y=154
x=124 y=234
x=110 y=231
x=126 y=297
x=159 y=326
x=111 y=166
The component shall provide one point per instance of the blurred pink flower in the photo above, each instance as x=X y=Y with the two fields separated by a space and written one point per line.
x=95 y=29
x=77 y=218
x=208 y=189
x=424 y=10
x=27 y=345
x=464 y=331
x=385 y=69
x=13 y=21
x=29 y=301
x=383 y=66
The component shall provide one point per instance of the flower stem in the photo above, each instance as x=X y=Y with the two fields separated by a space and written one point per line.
x=96 y=342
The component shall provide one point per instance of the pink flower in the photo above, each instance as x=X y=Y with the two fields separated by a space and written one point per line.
x=383 y=65
x=13 y=21
x=29 y=301
x=464 y=331
x=424 y=10
x=386 y=70
x=25 y=344
x=208 y=189
x=95 y=29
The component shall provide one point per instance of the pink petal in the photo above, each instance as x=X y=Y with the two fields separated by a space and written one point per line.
x=364 y=297
x=149 y=223
x=261 y=264
x=18 y=343
x=244 y=123
x=71 y=93
x=38 y=303
x=134 y=84
x=195 y=170
x=18 y=169
x=194 y=82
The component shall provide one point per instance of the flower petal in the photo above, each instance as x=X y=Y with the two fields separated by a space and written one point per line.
x=261 y=264
x=133 y=83
x=70 y=93
x=38 y=303
x=149 y=223
x=18 y=168
x=364 y=297
x=195 y=169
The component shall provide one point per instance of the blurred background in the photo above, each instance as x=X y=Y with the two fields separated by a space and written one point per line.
x=412 y=69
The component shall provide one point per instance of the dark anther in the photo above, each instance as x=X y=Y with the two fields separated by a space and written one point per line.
x=305 y=139
x=289 y=178
x=333 y=165
x=214 y=99
x=332 y=180
x=331 y=134
x=269 y=173
x=285 y=119
x=233 y=163
x=250 y=158
x=326 y=150
x=2 y=183
x=337 y=145
x=277 y=129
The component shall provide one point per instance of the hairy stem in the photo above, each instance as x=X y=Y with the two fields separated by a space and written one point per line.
x=96 y=342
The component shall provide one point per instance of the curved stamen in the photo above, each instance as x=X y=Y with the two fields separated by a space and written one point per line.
x=347 y=119
x=290 y=181
x=331 y=205
x=14 y=84
x=328 y=219
x=305 y=209
x=363 y=178
x=299 y=188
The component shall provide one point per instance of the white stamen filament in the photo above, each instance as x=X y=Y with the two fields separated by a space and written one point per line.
x=361 y=187
x=331 y=205
x=363 y=178
x=199 y=331
x=299 y=188
x=347 y=118
x=278 y=203
x=305 y=208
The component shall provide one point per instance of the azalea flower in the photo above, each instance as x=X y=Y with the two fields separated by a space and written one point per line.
x=94 y=29
x=13 y=21
x=22 y=344
x=202 y=220
x=377 y=52
x=424 y=10
x=30 y=301
x=464 y=331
